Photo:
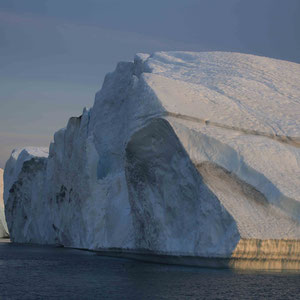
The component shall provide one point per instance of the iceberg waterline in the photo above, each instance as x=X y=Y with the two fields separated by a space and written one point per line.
x=184 y=153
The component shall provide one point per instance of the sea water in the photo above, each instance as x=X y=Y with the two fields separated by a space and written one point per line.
x=45 y=272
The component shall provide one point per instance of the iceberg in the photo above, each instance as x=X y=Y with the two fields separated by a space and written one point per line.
x=189 y=158
x=3 y=225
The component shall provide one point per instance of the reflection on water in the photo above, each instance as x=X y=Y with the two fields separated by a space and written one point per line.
x=36 y=272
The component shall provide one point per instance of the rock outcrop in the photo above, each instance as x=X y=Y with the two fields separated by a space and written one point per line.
x=193 y=155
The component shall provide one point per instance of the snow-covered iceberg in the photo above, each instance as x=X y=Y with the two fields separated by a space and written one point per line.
x=3 y=225
x=184 y=157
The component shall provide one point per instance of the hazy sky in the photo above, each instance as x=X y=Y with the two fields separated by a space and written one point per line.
x=54 y=53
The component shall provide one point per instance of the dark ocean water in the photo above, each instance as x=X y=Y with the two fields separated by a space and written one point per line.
x=36 y=272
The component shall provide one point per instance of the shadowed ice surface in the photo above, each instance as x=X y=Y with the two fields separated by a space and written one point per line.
x=36 y=272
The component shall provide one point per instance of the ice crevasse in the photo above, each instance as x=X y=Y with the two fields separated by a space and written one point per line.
x=185 y=157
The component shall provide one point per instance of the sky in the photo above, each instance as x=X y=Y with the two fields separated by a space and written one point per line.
x=54 y=54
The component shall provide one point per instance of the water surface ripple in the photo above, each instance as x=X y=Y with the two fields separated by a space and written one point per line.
x=37 y=272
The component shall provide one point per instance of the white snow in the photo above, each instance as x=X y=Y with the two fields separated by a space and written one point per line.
x=182 y=152
x=243 y=92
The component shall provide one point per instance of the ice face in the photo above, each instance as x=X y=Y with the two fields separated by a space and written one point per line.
x=3 y=225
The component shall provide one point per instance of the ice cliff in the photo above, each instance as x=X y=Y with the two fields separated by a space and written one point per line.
x=3 y=225
x=190 y=154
